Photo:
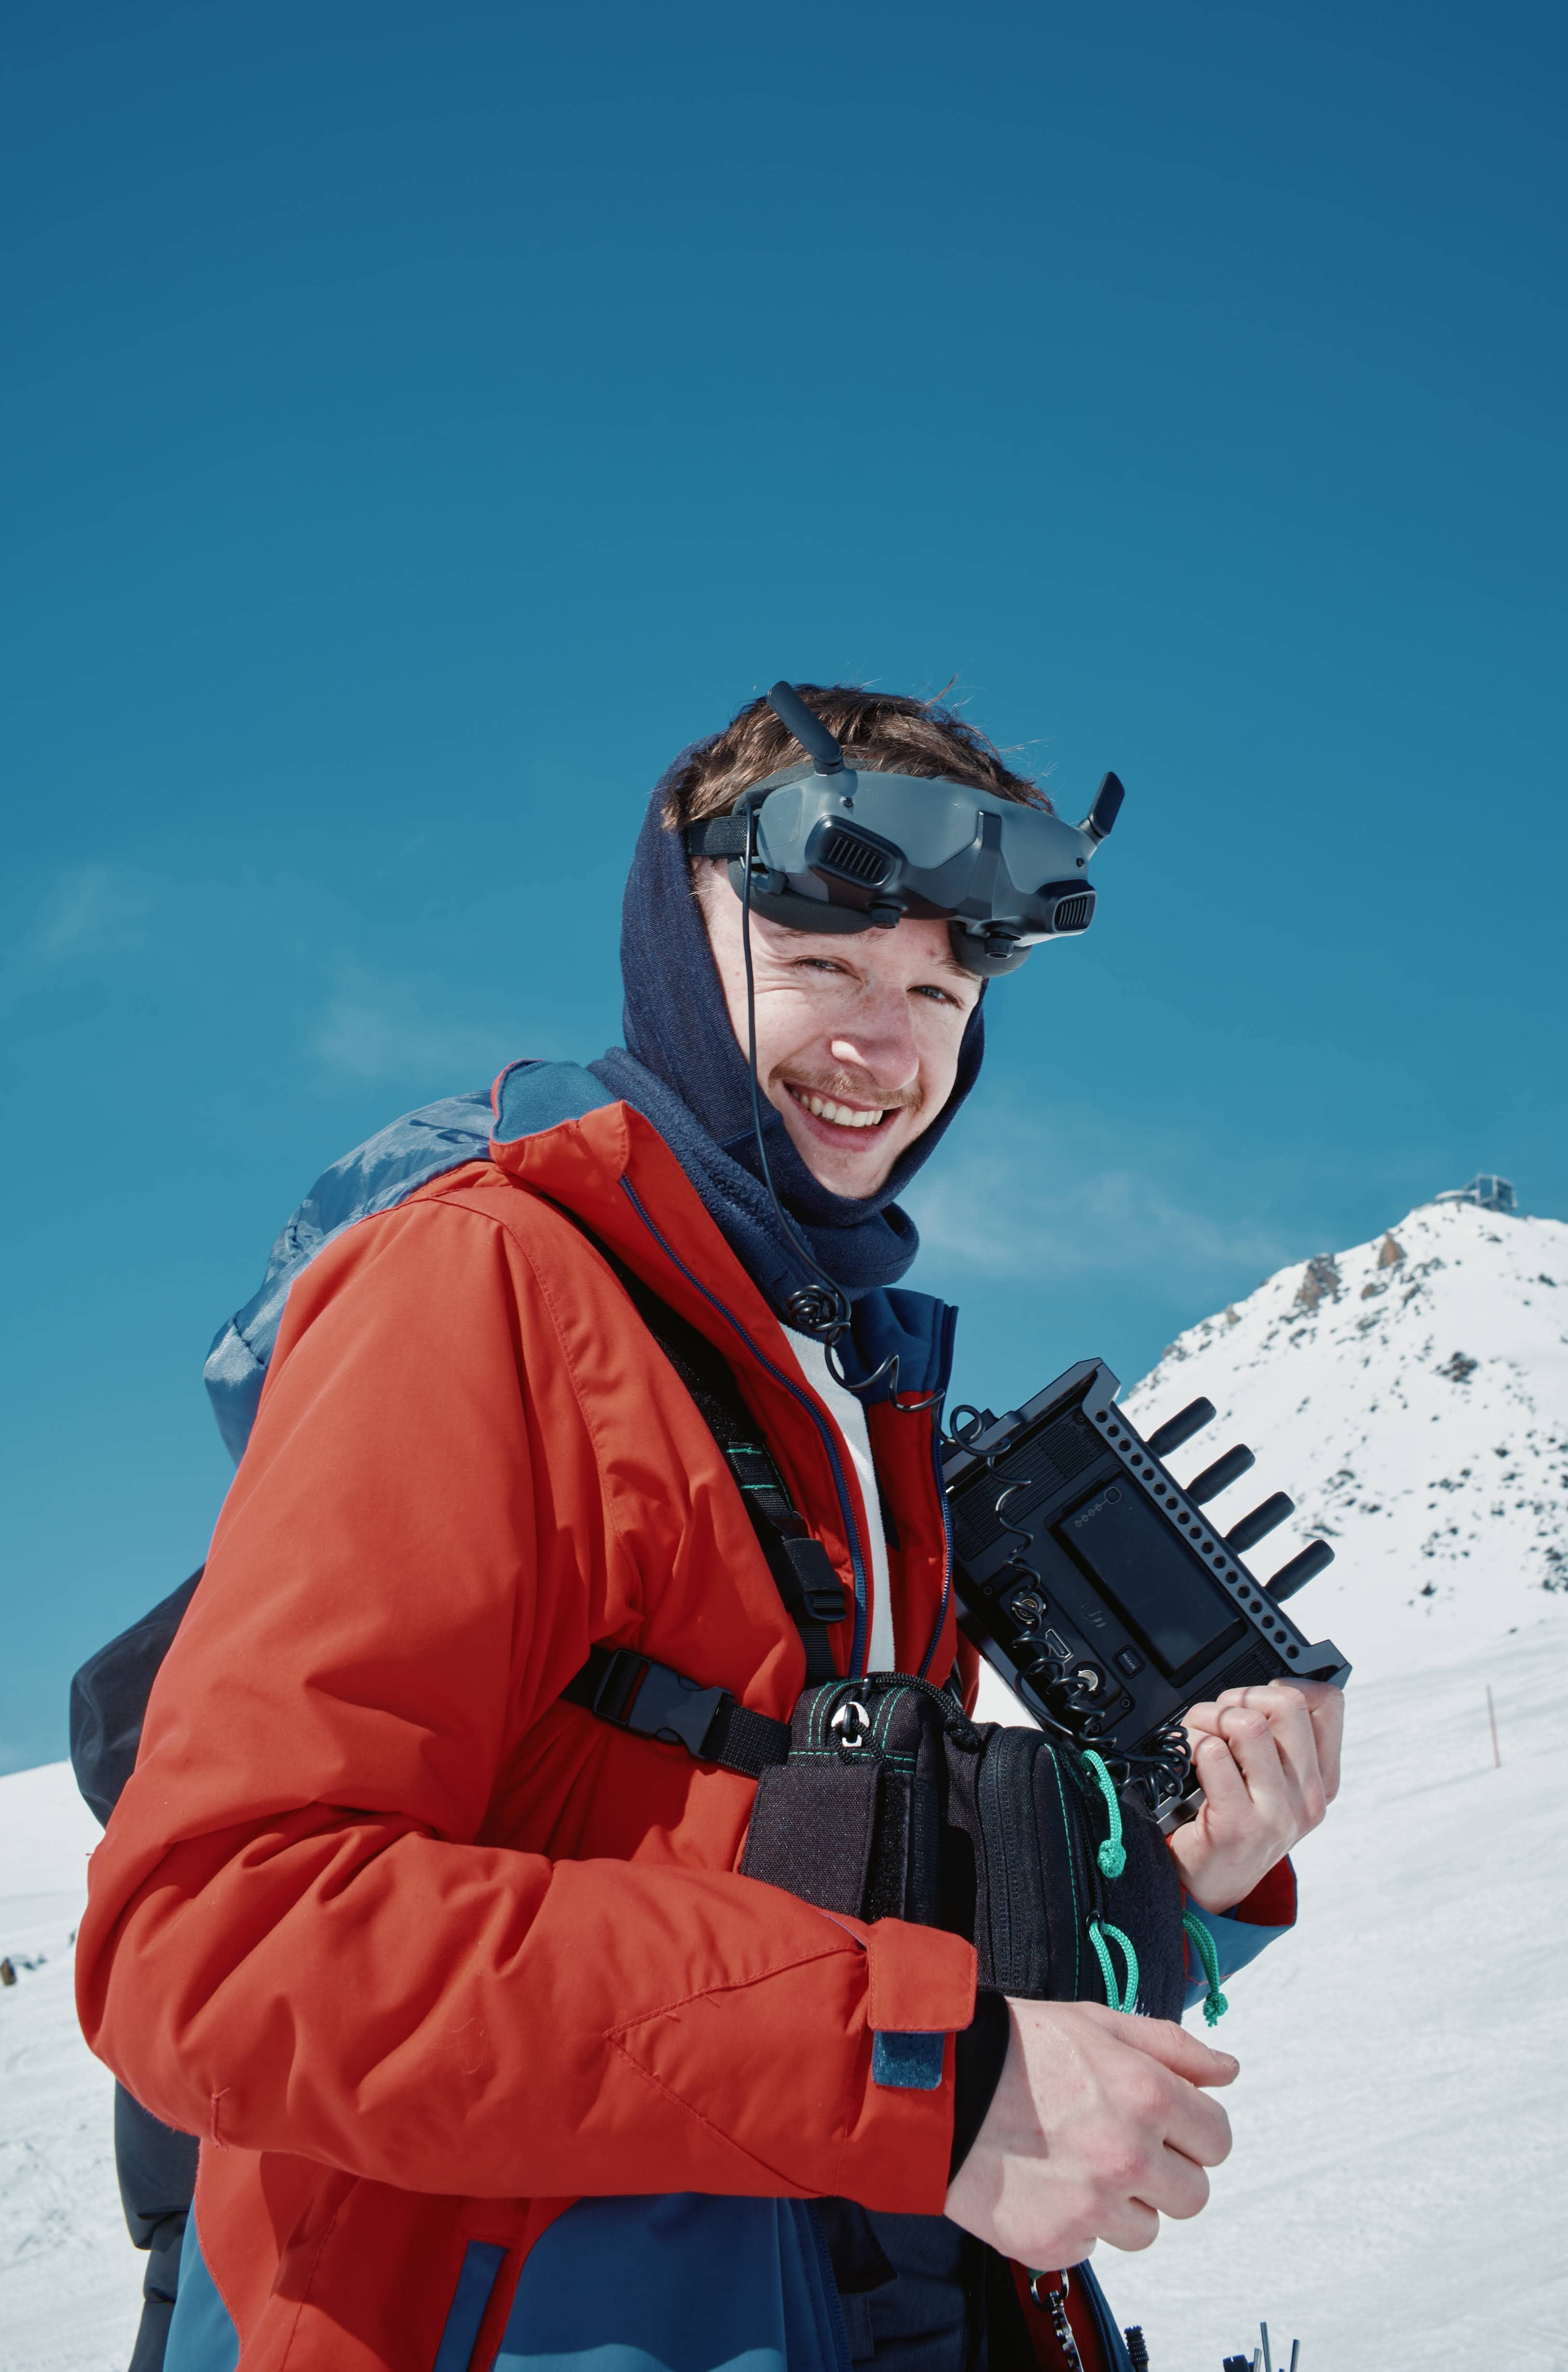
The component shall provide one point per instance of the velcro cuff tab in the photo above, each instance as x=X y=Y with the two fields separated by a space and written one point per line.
x=908 y=2062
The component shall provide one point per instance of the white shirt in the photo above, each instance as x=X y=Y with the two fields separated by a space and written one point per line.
x=848 y=1416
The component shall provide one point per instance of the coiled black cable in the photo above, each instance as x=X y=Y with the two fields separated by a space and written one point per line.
x=822 y=1308
x=1160 y=1773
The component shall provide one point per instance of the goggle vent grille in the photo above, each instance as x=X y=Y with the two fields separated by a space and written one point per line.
x=853 y=859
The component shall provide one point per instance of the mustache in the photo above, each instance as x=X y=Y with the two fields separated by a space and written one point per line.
x=843 y=1086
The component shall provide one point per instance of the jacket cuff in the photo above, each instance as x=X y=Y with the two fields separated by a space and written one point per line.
x=1272 y=1902
x=978 y=2053
x=1236 y=1942
x=911 y=1988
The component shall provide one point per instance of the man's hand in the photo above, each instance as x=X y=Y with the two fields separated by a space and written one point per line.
x=1097 y=2128
x=1268 y=1760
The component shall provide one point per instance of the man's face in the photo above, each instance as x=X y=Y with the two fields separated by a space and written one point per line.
x=857 y=1038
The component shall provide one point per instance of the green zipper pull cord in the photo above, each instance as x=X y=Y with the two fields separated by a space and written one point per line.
x=1203 y=1943
x=1118 y=1999
x=1112 y=1855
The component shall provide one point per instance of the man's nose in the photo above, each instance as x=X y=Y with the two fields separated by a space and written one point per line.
x=880 y=1042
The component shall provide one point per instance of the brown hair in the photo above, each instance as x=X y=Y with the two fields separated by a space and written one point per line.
x=885 y=733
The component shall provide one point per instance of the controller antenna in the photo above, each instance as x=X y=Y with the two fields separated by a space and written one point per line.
x=1180 y=1427
x=808 y=730
x=1260 y=1523
x=1220 y=1474
x=1300 y=1570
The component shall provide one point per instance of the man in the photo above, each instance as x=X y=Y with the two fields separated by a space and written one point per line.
x=495 y=2055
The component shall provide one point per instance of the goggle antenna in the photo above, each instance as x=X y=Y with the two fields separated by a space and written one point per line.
x=807 y=728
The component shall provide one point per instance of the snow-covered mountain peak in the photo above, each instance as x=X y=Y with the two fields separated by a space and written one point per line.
x=1412 y=1396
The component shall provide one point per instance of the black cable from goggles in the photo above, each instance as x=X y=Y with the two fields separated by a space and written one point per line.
x=822 y=1310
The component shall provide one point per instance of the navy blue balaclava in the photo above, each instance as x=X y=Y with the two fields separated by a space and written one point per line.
x=682 y=1068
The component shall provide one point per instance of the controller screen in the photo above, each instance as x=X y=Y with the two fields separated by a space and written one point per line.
x=1149 y=1574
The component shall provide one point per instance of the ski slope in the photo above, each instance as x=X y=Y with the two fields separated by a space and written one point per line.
x=1394 y=2199
x=70 y=2281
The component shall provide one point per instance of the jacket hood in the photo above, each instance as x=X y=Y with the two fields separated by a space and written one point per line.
x=683 y=1068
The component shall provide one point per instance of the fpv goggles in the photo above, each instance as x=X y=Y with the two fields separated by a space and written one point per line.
x=833 y=850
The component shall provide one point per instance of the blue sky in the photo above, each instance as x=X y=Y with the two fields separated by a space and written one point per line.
x=419 y=423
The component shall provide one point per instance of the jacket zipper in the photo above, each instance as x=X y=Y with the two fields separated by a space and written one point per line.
x=1014 y=1896
x=947 y=1546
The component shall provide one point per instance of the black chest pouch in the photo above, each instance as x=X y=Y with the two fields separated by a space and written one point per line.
x=892 y=1805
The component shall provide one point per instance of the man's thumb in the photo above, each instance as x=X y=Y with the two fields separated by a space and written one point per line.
x=1180 y=2052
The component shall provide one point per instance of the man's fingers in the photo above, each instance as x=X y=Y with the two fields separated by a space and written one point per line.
x=1291 y=1727
x=1197 y=2131
x=1131 y=2226
x=1324 y=1706
x=1180 y=2189
x=1327 y=1708
x=1251 y=1740
x=1225 y=1798
x=1171 y=2044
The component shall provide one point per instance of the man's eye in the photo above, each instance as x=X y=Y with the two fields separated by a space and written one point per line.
x=941 y=995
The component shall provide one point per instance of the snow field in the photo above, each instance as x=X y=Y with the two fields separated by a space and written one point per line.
x=70 y=2281
x=1394 y=2197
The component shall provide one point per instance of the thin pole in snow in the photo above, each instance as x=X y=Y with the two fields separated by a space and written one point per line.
x=1492 y=1717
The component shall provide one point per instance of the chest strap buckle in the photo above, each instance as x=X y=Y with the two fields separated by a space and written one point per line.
x=654 y=1702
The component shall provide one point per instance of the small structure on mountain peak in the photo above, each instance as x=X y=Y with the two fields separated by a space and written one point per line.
x=1487 y=1193
x=1390 y=1253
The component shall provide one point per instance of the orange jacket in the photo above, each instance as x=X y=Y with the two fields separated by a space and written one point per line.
x=423 y=1953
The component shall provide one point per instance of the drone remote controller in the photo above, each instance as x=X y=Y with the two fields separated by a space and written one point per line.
x=1095 y=1585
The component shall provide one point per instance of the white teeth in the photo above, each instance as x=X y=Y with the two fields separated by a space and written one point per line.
x=839 y=1114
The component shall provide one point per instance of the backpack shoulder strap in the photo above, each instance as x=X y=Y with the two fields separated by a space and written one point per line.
x=812 y=1592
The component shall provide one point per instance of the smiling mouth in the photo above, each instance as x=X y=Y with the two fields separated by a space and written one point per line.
x=857 y=1119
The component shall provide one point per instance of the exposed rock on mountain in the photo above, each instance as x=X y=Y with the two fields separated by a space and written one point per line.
x=1412 y=1396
